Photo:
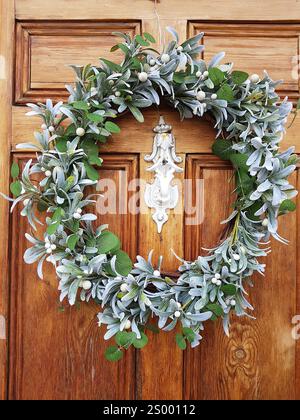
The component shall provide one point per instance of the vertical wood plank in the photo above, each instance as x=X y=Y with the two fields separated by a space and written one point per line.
x=258 y=360
x=160 y=364
x=6 y=58
x=60 y=355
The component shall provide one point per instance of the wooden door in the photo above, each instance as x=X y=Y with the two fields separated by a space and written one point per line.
x=49 y=354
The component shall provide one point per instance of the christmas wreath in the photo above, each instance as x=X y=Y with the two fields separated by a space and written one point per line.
x=249 y=118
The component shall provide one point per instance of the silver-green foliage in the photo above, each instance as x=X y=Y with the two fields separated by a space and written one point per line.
x=249 y=119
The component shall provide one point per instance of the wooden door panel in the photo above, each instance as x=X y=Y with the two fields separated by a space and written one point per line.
x=56 y=354
x=257 y=360
x=256 y=47
x=59 y=354
x=45 y=50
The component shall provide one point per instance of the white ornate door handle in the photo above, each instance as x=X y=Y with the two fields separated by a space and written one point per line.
x=161 y=195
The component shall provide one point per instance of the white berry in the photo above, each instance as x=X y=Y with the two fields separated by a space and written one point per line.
x=67 y=250
x=111 y=83
x=214 y=280
x=51 y=129
x=254 y=78
x=214 y=96
x=26 y=202
x=205 y=74
x=86 y=285
x=48 y=173
x=217 y=276
x=43 y=127
x=236 y=257
x=198 y=74
x=77 y=216
x=79 y=211
x=123 y=288
x=143 y=77
x=53 y=247
x=47 y=245
x=127 y=325
x=201 y=95
x=180 y=48
x=232 y=302
x=80 y=131
x=178 y=305
x=218 y=283
x=265 y=222
x=152 y=62
x=49 y=251
x=177 y=314
x=165 y=58
x=117 y=93
x=156 y=273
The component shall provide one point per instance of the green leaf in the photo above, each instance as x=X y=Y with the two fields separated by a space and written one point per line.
x=123 y=263
x=239 y=161
x=136 y=113
x=51 y=229
x=113 y=66
x=96 y=118
x=114 y=48
x=229 y=289
x=250 y=212
x=125 y=339
x=245 y=183
x=222 y=148
x=16 y=188
x=61 y=144
x=216 y=75
x=42 y=206
x=15 y=170
x=113 y=354
x=140 y=40
x=80 y=105
x=91 y=172
x=112 y=127
x=153 y=328
x=149 y=37
x=239 y=77
x=139 y=343
x=180 y=340
x=57 y=215
x=95 y=160
x=72 y=241
x=90 y=148
x=189 y=334
x=179 y=77
x=287 y=205
x=107 y=242
x=226 y=93
x=215 y=308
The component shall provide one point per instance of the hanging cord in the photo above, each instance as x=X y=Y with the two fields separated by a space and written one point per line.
x=160 y=31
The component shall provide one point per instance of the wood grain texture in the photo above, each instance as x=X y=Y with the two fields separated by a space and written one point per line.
x=60 y=355
x=255 y=47
x=288 y=10
x=45 y=50
x=6 y=60
x=192 y=136
x=157 y=378
x=258 y=360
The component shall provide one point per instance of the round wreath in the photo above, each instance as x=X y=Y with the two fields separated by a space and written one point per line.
x=249 y=117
